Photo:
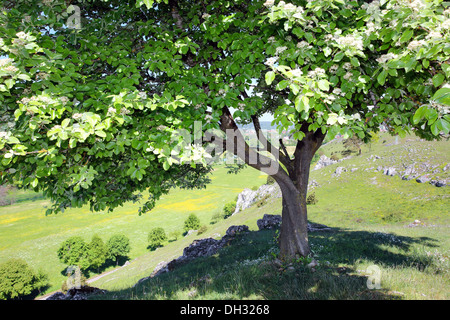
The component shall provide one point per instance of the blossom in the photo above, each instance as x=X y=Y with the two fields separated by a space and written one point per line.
x=316 y=73
x=348 y=76
x=303 y=45
x=386 y=57
x=333 y=68
x=77 y=116
x=296 y=72
x=434 y=34
x=350 y=41
x=280 y=50
x=271 y=61
x=416 y=5
x=21 y=35
x=11 y=69
x=269 y=3
x=416 y=44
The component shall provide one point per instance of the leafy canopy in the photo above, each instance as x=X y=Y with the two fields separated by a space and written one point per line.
x=92 y=95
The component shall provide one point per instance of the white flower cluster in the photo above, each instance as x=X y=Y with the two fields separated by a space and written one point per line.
x=304 y=45
x=338 y=92
x=383 y=59
x=416 y=5
x=349 y=41
x=372 y=8
x=316 y=73
x=5 y=135
x=416 y=45
x=280 y=50
x=124 y=111
x=296 y=72
x=445 y=24
x=271 y=61
x=5 y=62
x=269 y=3
x=434 y=34
x=77 y=116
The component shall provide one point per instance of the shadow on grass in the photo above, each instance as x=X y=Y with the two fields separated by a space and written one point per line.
x=247 y=268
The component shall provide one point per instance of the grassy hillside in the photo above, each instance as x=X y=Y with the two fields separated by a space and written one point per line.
x=25 y=231
x=371 y=214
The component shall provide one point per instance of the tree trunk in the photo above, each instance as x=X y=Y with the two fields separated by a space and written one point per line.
x=292 y=179
x=294 y=188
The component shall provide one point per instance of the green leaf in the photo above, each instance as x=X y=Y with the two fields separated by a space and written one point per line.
x=442 y=96
x=166 y=165
x=323 y=85
x=354 y=61
x=282 y=85
x=419 y=114
x=338 y=57
x=9 y=83
x=438 y=79
x=406 y=35
x=382 y=77
x=270 y=76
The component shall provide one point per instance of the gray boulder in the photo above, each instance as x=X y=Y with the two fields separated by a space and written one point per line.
x=323 y=162
x=269 y=221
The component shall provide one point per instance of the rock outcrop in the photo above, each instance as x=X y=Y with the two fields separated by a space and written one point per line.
x=198 y=248
x=76 y=293
x=271 y=221
x=248 y=197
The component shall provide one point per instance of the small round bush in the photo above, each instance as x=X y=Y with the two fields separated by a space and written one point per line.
x=156 y=238
x=17 y=279
x=191 y=223
x=228 y=209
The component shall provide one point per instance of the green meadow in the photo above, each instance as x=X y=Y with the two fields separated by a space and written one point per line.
x=371 y=215
x=26 y=232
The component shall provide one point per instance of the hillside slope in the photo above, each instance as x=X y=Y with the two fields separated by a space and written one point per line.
x=378 y=218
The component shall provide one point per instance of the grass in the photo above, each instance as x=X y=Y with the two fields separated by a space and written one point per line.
x=25 y=231
x=368 y=211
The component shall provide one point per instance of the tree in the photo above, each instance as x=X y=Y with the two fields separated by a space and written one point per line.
x=118 y=246
x=17 y=279
x=191 y=223
x=156 y=238
x=74 y=252
x=97 y=252
x=95 y=97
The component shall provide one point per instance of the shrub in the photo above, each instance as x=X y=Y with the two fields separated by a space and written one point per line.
x=118 y=246
x=228 y=209
x=191 y=223
x=17 y=279
x=217 y=217
x=156 y=238
x=261 y=202
x=174 y=235
x=311 y=199
x=74 y=251
x=334 y=157
x=202 y=229
x=97 y=252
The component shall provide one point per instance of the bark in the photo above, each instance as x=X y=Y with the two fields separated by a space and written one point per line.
x=293 y=239
x=292 y=179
